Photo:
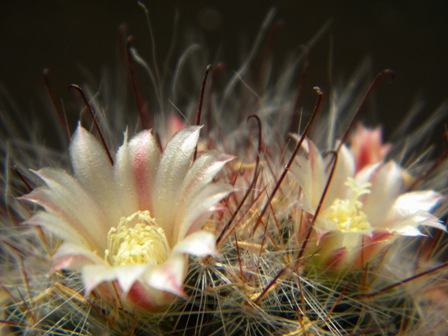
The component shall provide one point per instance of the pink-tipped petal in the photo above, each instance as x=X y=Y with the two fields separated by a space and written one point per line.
x=366 y=146
x=174 y=124
x=170 y=275
x=74 y=257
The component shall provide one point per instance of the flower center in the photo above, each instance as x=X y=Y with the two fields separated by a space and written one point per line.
x=137 y=240
x=347 y=213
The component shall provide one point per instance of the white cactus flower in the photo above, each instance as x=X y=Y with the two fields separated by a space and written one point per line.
x=363 y=210
x=132 y=223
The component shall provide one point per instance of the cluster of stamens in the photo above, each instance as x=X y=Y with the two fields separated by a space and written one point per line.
x=137 y=240
x=347 y=213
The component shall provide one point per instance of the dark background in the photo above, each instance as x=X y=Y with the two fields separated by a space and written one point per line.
x=410 y=37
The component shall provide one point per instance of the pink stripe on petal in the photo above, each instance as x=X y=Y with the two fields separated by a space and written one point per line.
x=139 y=296
x=145 y=157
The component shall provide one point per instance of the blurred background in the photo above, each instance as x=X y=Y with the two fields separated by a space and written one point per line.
x=73 y=38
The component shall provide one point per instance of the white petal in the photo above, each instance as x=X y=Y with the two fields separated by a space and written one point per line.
x=345 y=167
x=411 y=202
x=170 y=275
x=93 y=170
x=127 y=275
x=411 y=210
x=65 y=198
x=193 y=217
x=387 y=185
x=144 y=156
x=202 y=172
x=407 y=226
x=57 y=226
x=311 y=173
x=410 y=231
x=124 y=178
x=367 y=173
x=200 y=243
x=74 y=257
x=94 y=275
x=175 y=162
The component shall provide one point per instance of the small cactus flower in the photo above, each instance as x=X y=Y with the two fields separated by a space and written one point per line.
x=132 y=223
x=363 y=211
x=367 y=147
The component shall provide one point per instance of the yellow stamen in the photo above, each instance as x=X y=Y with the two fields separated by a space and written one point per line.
x=347 y=213
x=137 y=240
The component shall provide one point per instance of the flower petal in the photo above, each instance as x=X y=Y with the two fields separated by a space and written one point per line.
x=367 y=147
x=94 y=172
x=174 y=164
x=73 y=257
x=64 y=197
x=200 y=243
x=408 y=225
x=144 y=156
x=345 y=167
x=58 y=227
x=145 y=297
x=387 y=185
x=124 y=178
x=170 y=275
x=411 y=202
x=94 y=275
x=202 y=173
x=367 y=174
x=311 y=174
x=127 y=275
x=411 y=210
x=187 y=222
